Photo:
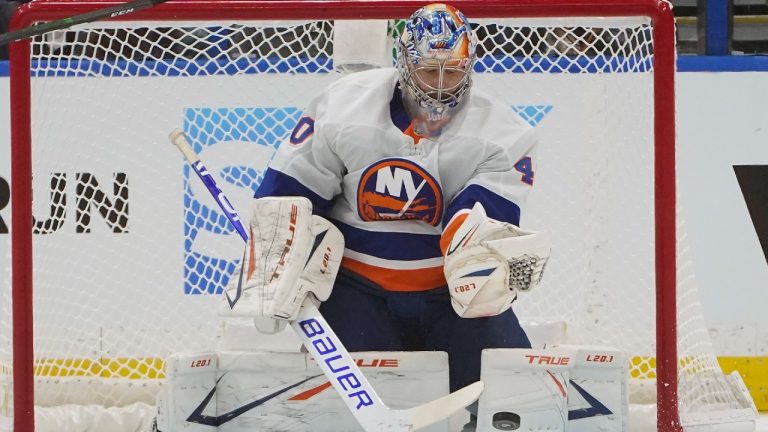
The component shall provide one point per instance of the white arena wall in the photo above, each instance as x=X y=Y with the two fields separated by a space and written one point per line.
x=721 y=123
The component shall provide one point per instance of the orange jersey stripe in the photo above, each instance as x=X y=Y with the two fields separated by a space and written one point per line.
x=450 y=231
x=411 y=133
x=398 y=280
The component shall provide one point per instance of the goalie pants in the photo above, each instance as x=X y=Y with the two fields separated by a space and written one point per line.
x=368 y=318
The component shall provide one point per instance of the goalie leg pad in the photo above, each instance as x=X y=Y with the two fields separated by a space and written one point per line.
x=189 y=379
x=267 y=391
x=525 y=390
x=598 y=393
x=564 y=388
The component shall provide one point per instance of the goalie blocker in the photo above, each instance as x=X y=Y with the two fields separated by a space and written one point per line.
x=291 y=254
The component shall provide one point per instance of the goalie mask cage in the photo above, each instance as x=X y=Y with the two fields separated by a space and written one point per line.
x=118 y=260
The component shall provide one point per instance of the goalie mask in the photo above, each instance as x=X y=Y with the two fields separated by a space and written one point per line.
x=435 y=55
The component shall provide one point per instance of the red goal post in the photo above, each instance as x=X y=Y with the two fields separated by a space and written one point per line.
x=664 y=200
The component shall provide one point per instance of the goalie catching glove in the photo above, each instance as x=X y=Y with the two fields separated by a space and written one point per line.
x=290 y=253
x=487 y=262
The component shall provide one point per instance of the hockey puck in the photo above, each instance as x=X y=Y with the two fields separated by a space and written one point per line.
x=506 y=421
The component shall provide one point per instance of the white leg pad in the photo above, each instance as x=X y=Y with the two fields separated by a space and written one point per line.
x=188 y=379
x=268 y=391
x=598 y=394
x=525 y=390
x=564 y=388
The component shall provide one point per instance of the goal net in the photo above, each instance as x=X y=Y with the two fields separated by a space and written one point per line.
x=126 y=254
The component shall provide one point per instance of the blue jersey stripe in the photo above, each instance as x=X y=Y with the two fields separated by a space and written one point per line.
x=397 y=110
x=276 y=184
x=496 y=206
x=390 y=245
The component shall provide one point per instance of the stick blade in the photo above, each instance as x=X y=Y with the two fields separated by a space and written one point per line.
x=442 y=408
x=416 y=418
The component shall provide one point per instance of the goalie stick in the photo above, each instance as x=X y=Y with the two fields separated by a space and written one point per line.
x=334 y=360
x=110 y=12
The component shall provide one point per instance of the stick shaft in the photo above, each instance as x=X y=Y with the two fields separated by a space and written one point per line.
x=109 y=12
x=179 y=140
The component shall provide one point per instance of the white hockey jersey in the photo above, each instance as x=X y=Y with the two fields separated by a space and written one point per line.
x=392 y=194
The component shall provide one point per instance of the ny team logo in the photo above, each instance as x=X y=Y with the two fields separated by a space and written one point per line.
x=398 y=189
